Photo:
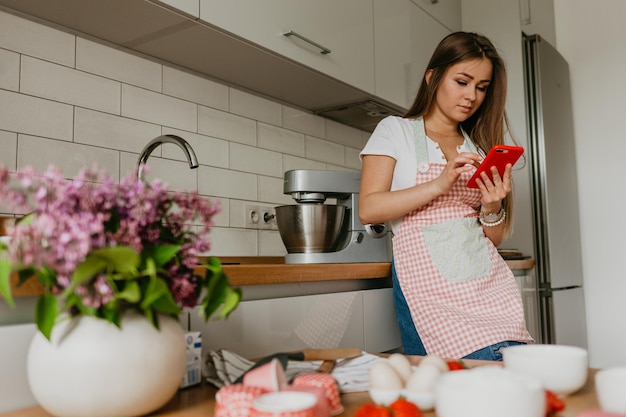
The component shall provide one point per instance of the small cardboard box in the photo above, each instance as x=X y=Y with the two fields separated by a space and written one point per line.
x=193 y=375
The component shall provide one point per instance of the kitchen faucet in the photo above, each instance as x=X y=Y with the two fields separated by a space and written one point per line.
x=158 y=141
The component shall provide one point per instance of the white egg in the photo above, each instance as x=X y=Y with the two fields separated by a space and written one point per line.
x=401 y=365
x=436 y=361
x=423 y=378
x=383 y=376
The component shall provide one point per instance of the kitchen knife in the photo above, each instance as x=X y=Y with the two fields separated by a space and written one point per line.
x=304 y=355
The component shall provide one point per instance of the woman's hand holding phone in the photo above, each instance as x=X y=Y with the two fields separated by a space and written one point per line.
x=499 y=157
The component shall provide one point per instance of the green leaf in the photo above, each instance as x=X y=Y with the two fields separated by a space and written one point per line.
x=167 y=305
x=27 y=220
x=214 y=265
x=156 y=289
x=231 y=302
x=161 y=254
x=217 y=290
x=45 y=275
x=85 y=271
x=111 y=313
x=46 y=312
x=130 y=293
x=122 y=259
x=76 y=301
x=5 y=281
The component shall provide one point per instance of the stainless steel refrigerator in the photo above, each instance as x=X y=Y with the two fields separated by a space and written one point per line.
x=551 y=155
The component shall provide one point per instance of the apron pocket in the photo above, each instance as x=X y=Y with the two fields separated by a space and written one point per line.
x=458 y=249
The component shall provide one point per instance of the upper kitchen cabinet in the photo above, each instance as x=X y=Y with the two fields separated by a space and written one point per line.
x=405 y=38
x=446 y=12
x=190 y=7
x=333 y=37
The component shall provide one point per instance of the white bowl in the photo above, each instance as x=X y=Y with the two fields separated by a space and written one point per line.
x=611 y=389
x=489 y=391
x=561 y=369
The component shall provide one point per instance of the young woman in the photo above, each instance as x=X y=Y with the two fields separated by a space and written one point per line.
x=455 y=296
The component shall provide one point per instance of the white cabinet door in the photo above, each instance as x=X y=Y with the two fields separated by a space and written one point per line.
x=262 y=327
x=446 y=12
x=405 y=38
x=190 y=7
x=343 y=27
x=382 y=332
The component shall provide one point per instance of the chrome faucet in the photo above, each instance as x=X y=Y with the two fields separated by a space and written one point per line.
x=158 y=141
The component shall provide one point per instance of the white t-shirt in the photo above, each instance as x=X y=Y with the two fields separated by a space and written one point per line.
x=395 y=137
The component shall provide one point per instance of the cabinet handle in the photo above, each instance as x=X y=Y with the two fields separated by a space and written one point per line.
x=323 y=49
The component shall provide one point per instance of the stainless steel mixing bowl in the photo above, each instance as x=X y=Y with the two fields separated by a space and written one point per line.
x=310 y=228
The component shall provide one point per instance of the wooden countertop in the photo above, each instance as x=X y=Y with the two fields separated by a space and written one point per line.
x=199 y=401
x=262 y=270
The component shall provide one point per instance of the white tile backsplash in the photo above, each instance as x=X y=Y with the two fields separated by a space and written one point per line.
x=255 y=107
x=223 y=125
x=343 y=134
x=191 y=87
x=282 y=140
x=30 y=38
x=233 y=242
x=352 y=158
x=209 y=151
x=113 y=132
x=56 y=82
x=176 y=174
x=117 y=65
x=323 y=150
x=303 y=122
x=8 y=144
x=146 y=105
x=271 y=244
x=69 y=101
x=271 y=191
x=258 y=161
x=292 y=162
x=225 y=183
x=40 y=153
x=35 y=116
x=9 y=70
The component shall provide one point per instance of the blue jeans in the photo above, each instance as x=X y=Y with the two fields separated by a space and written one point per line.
x=411 y=341
x=493 y=352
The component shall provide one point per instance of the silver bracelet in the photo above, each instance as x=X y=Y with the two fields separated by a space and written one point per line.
x=484 y=219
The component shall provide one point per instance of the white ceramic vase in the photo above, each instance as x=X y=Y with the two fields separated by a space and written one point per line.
x=91 y=368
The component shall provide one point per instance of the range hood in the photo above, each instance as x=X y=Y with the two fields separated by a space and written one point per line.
x=363 y=115
x=153 y=30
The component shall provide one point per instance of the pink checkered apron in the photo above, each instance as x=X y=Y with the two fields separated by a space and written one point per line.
x=462 y=295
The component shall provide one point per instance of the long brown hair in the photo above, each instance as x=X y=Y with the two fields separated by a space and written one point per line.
x=489 y=125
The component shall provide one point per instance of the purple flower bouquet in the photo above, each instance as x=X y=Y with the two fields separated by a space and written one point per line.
x=98 y=247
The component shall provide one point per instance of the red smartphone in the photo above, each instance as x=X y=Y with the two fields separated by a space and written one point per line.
x=499 y=156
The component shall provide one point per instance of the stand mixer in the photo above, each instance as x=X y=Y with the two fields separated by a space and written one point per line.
x=314 y=232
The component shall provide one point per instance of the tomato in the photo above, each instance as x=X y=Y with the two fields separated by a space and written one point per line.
x=553 y=403
x=372 y=410
x=404 y=408
x=399 y=408
x=456 y=365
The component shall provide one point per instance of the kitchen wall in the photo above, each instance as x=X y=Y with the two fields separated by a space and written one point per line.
x=70 y=101
x=590 y=35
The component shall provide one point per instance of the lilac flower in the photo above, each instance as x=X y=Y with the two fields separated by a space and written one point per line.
x=68 y=220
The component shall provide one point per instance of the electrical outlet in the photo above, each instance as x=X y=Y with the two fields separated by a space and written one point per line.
x=252 y=216
x=267 y=218
x=259 y=217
